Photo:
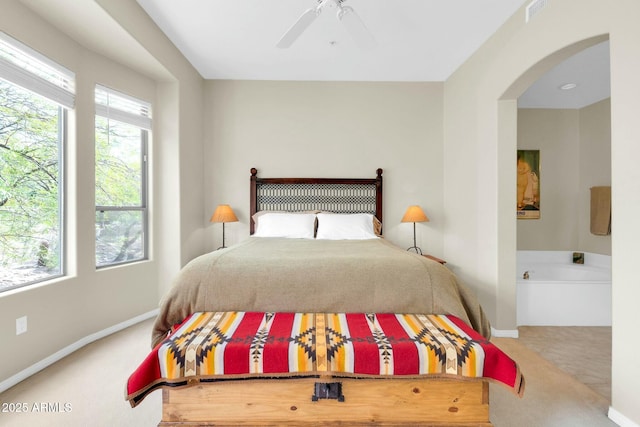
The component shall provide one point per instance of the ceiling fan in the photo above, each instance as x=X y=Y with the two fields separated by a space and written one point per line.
x=345 y=14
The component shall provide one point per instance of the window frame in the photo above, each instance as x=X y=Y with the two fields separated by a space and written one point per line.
x=144 y=126
x=23 y=67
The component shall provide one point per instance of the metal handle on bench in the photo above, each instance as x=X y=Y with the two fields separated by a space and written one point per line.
x=328 y=391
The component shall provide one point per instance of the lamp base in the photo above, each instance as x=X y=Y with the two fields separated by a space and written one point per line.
x=416 y=249
x=223 y=246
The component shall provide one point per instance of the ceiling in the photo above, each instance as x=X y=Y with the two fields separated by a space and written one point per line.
x=416 y=40
x=589 y=70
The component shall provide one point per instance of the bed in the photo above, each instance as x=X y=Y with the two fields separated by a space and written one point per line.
x=315 y=318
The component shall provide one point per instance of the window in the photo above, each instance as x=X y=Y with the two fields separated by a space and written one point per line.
x=122 y=133
x=35 y=93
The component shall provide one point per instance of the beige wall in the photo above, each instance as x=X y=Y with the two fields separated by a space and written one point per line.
x=595 y=170
x=86 y=301
x=480 y=139
x=66 y=311
x=179 y=133
x=555 y=133
x=327 y=129
x=575 y=154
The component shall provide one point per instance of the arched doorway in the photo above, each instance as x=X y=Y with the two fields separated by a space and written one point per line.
x=545 y=234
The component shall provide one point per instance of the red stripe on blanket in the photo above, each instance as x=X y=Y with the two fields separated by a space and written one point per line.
x=276 y=354
x=366 y=357
x=237 y=351
x=149 y=373
x=405 y=354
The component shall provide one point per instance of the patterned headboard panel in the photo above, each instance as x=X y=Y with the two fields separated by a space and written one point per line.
x=340 y=195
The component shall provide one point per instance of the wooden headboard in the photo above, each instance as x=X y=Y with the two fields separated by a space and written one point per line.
x=339 y=195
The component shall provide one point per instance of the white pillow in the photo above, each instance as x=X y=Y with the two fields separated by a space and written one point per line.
x=291 y=225
x=345 y=226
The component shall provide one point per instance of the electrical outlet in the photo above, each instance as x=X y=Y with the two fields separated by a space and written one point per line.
x=21 y=325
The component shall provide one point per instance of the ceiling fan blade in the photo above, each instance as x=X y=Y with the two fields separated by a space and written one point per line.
x=356 y=27
x=296 y=30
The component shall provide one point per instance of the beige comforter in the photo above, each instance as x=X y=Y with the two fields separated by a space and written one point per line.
x=297 y=275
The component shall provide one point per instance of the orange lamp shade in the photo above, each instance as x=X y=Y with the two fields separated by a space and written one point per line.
x=223 y=213
x=414 y=214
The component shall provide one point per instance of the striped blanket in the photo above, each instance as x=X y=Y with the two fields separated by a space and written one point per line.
x=211 y=346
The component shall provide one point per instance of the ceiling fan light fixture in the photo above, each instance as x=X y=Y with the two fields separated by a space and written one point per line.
x=342 y=10
x=345 y=14
x=568 y=86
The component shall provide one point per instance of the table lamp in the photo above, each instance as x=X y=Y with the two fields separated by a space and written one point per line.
x=223 y=213
x=415 y=214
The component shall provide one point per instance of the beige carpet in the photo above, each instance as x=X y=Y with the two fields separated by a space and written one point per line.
x=560 y=345
x=552 y=397
x=92 y=382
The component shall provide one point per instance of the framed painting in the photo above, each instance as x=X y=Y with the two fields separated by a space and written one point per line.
x=528 y=177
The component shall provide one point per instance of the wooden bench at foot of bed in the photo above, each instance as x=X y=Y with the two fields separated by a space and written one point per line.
x=424 y=402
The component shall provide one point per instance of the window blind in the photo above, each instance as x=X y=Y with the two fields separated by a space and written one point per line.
x=123 y=108
x=23 y=66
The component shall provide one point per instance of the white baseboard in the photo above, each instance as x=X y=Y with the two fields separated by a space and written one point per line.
x=504 y=333
x=37 y=367
x=620 y=419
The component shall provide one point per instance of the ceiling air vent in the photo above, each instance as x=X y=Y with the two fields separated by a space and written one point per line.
x=534 y=7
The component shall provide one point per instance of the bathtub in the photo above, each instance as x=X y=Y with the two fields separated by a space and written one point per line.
x=561 y=293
